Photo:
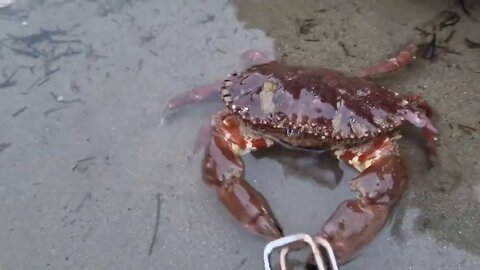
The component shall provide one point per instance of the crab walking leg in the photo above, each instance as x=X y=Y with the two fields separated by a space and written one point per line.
x=423 y=121
x=255 y=57
x=195 y=95
x=223 y=169
x=252 y=57
x=404 y=57
x=203 y=136
x=379 y=185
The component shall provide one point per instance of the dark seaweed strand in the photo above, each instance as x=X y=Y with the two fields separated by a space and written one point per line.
x=429 y=52
x=472 y=45
x=4 y=146
x=157 y=222
x=452 y=19
x=15 y=114
x=464 y=8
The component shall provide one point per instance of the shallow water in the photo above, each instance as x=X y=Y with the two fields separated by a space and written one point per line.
x=83 y=151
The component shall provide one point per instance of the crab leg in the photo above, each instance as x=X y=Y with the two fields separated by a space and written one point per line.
x=252 y=57
x=223 y=170
x=404 y=57
x=256 y=57
x=379 y=185
x=195 y=95
x=423 y=121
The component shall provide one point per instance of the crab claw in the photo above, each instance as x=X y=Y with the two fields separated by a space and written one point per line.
x=379 y=185
x=249 y=208
x=223 y=170
x=353 y=224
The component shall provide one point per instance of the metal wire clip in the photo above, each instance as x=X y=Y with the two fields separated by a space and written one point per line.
x=328 y=263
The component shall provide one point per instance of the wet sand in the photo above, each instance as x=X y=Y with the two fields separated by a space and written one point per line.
x=84 y=152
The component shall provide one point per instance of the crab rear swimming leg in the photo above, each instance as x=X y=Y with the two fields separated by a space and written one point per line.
x=379 y=186
x=223 y=170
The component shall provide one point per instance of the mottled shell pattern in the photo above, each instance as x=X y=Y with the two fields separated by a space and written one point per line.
x=312 y=106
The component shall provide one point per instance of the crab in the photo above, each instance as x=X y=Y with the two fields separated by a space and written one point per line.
x=313 y=108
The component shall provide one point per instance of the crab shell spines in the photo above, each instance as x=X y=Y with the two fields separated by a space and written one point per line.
x=312 y=106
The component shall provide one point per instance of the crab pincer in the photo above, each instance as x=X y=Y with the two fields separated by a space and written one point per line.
x=224 y=171
x=379 y=186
